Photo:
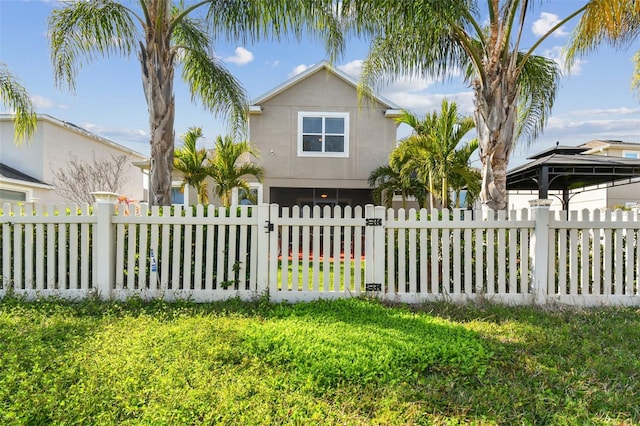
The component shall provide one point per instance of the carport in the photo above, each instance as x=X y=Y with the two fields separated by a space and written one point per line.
x=566 y=170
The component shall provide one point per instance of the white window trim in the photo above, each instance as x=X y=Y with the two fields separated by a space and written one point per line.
x=635 y=153
x=185 y=200
x=345 y=115
x=18 y=188
x=252 y=185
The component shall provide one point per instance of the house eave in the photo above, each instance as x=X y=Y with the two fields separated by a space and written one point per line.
x=393 y=113
x=81 y=131
x=310 y=71
x=18 y=182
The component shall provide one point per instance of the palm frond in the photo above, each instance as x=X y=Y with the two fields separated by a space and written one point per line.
x=82 y=30
x=250 y=21
x=220 y=92
x=613 y=22
x=635 y=81
x=193 y=163
x=228 y=170
x=14 y=96
x=538 y=84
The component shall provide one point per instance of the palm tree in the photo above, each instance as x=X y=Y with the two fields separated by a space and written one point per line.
x=388 y=180
x=463 y=176
x=412 y=157
x=165 y=35
x=430 y=151
x=193 y=164
x=14 y=96
x=230 y=165
x=514 y=90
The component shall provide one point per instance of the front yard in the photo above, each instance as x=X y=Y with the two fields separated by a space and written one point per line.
x=342 y=362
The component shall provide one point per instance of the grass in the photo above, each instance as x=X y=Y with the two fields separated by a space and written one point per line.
x=343 y=362
x=288 y=281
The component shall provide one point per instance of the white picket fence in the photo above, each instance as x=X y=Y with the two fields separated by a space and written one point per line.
x=521 y=257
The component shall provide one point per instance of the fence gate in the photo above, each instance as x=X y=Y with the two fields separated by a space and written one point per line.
x=324 y=252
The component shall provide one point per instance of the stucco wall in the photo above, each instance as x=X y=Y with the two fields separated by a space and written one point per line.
x=275 y=134
x=51 y=148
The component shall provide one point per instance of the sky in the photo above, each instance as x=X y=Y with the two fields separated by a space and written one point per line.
x=594 y=101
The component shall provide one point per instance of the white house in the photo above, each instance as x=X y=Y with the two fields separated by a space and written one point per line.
x=27 y=170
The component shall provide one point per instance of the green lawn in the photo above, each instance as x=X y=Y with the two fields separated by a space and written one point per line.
x=299 y=283
x=344 y=362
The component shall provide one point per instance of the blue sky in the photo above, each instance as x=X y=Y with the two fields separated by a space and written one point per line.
x=594 y=101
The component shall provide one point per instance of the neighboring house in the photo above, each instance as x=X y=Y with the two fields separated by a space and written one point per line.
x=604 y=196
x=317 y=142
x=26 y=171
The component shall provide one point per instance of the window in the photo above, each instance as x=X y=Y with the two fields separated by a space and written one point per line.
x=8 y=195
x=177 y=196
x=241 y=197
x=323 y=134
x=631 y=154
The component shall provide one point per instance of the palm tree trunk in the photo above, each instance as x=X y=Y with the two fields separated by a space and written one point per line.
x=157 y=63
x=445 y=192
x=432 y=198
x=495 y=116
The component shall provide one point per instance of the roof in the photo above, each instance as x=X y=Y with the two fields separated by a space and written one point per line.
x=558 y=149
x=573 y=171
x=10 y=174
x=77 y=129
x=597 y=145
x=323 y=65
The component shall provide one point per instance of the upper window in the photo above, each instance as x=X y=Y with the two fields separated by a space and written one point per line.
x=323 y=134
x=631 y=154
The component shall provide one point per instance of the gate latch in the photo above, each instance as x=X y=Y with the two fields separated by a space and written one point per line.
x=268 y=227
x=376 y=221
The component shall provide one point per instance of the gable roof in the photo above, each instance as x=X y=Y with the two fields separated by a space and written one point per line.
x=322 y=65
x=9 y=174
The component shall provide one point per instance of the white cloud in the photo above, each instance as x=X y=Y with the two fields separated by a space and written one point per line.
x=117 y=134
x=241 y=57
x=581 y=126
x=40 y=102
x=556 y=53
x=421 y=103
x=401 y=84
x=606 y=111
x=547 y=21
x=273 y=64
x=297 y=70
x=353 y=68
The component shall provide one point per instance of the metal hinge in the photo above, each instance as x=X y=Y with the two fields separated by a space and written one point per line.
x=268 y=227
x=373 y=287
x=373 y=221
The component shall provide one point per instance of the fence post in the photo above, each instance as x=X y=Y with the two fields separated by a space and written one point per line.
x=262 y=251
x=105 y=255
x=540 y=249
x=374 y=247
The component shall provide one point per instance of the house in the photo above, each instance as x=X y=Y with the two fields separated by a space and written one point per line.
x=604 y=174
x=317 y=141
x=27 y=170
